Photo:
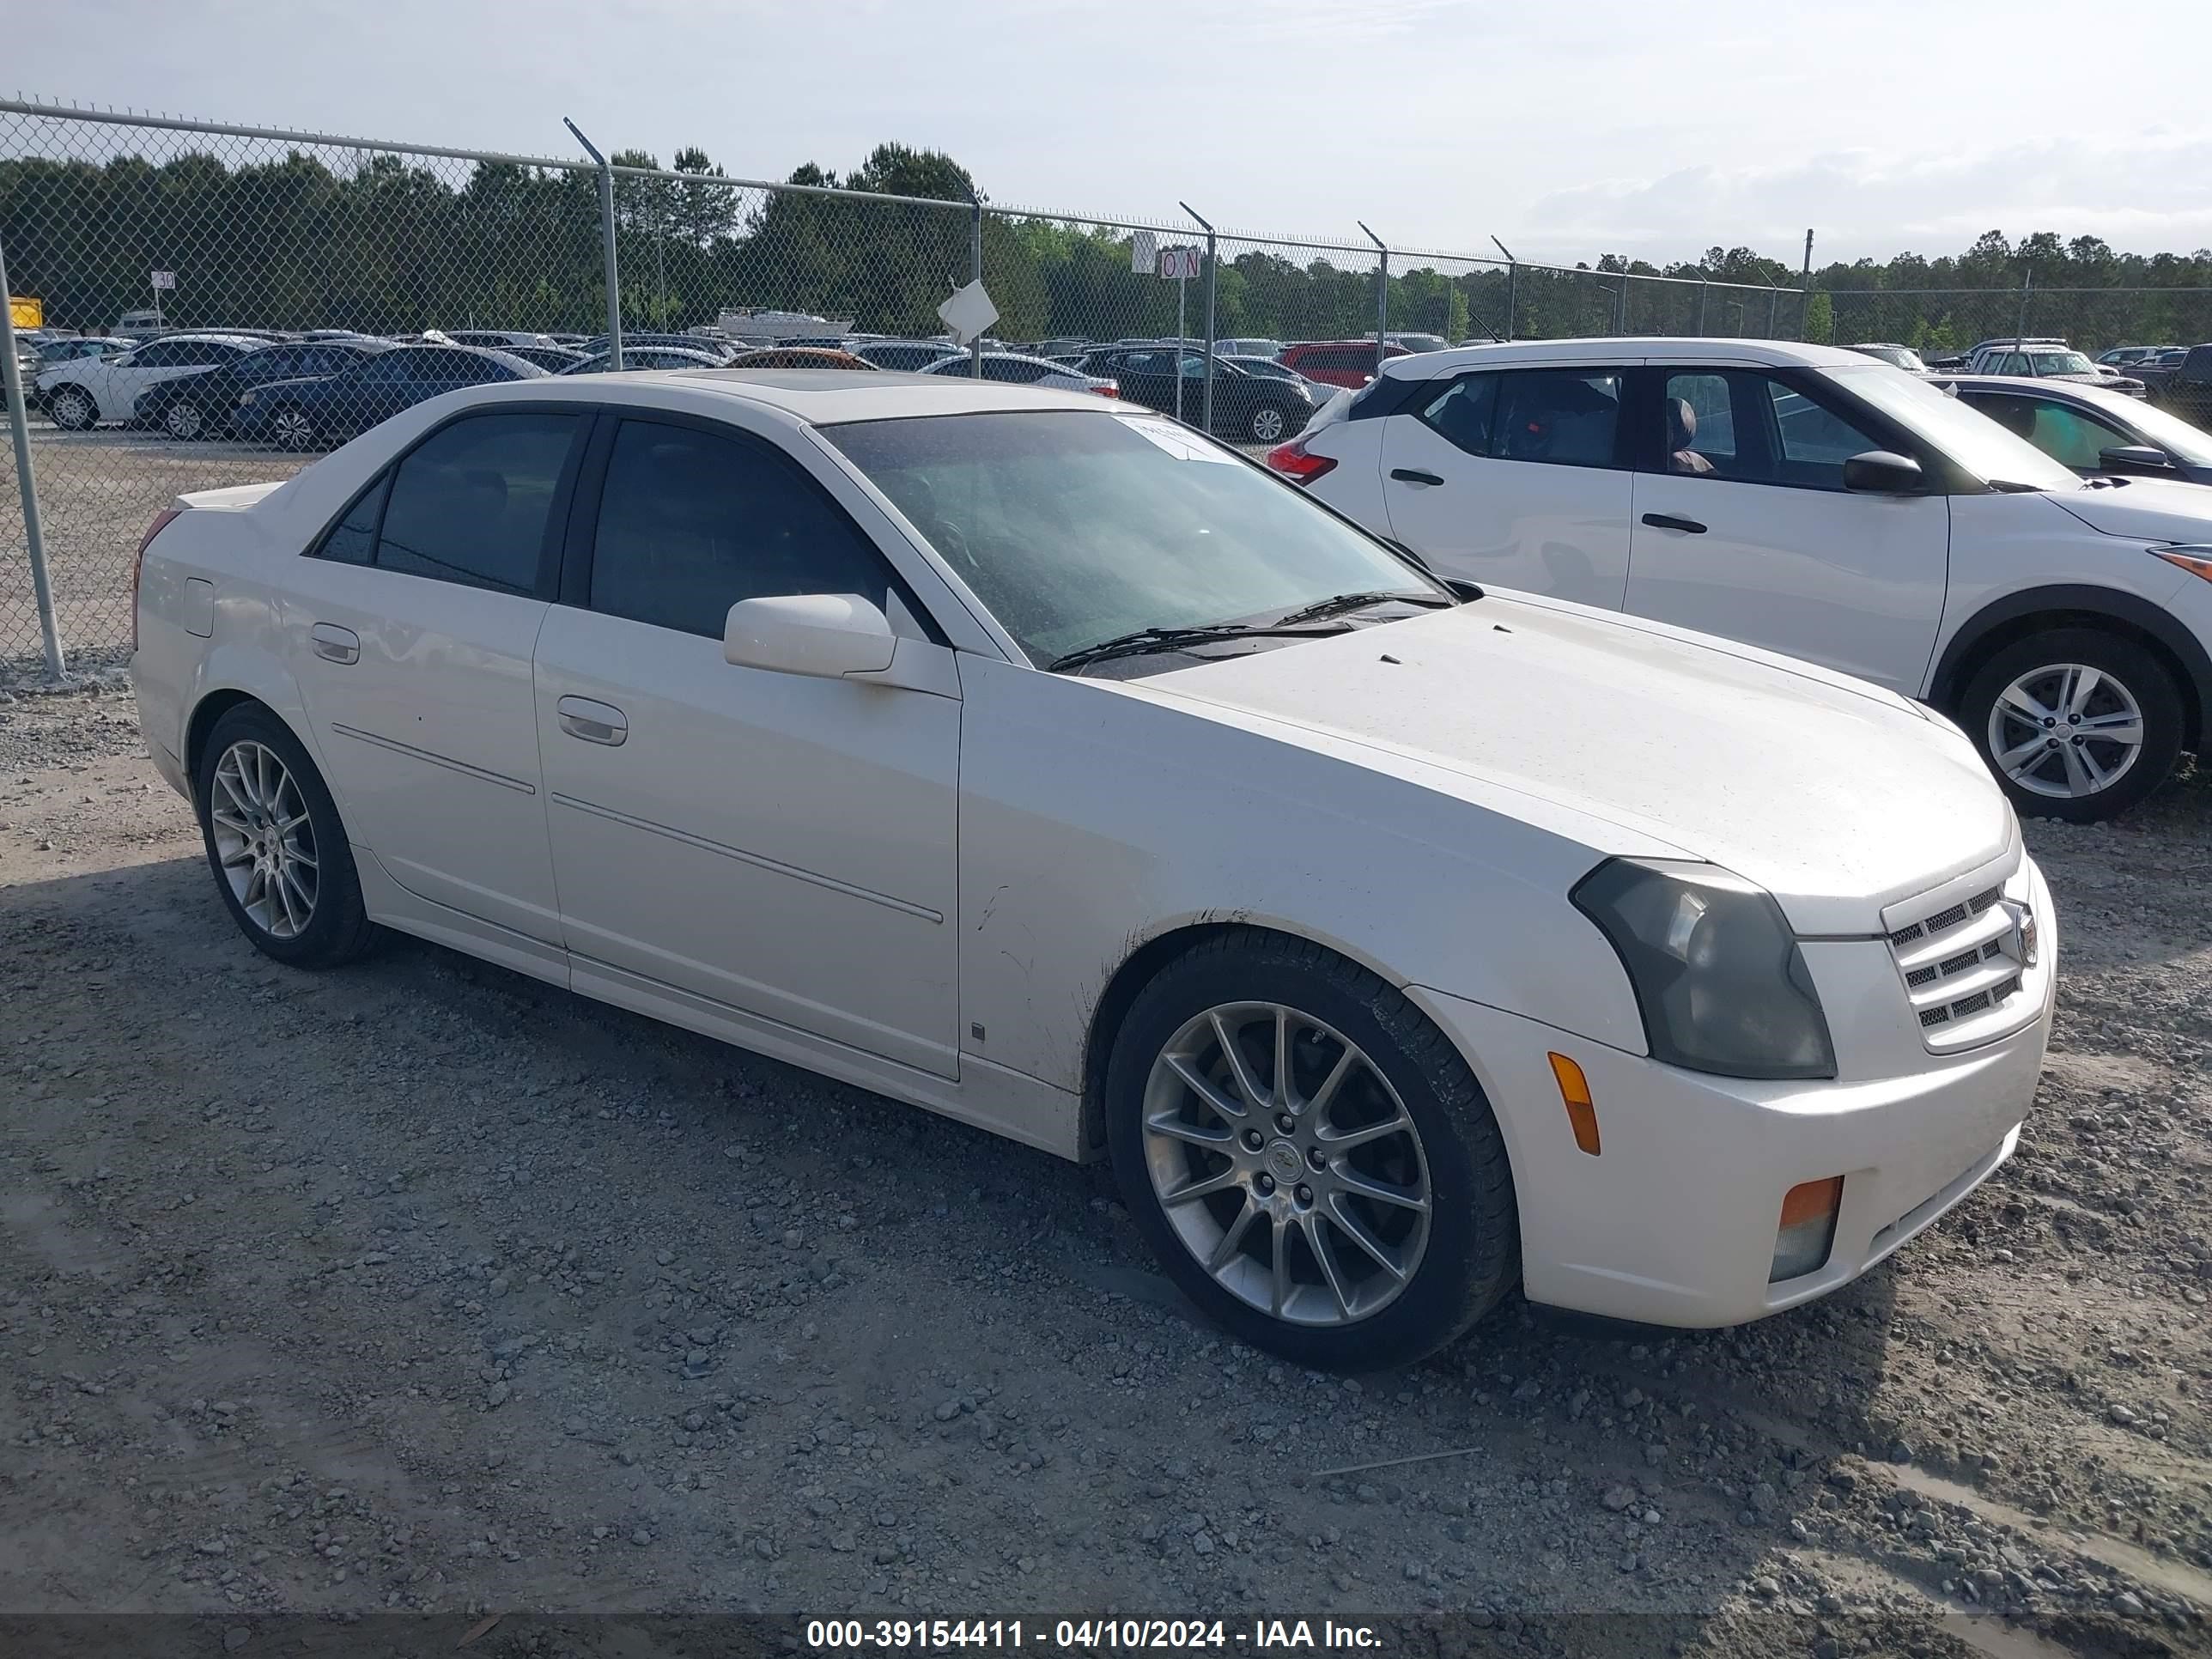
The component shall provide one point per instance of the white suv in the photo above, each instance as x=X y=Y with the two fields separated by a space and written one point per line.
x=1816 y=503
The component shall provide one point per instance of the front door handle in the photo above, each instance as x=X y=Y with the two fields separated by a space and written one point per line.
x=1668 y=521
x=1415 y=475
x=594 y=722
x=335 y=644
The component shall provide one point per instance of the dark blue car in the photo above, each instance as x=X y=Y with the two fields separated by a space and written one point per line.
x=205 y=405
x=315 y=414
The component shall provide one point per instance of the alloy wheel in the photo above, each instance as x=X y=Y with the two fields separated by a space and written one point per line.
x=2066 y=731
x=263 y=839
x=75 y=410
x=293 y=429
x=1286 y=1164
x=183 y=420
x=1268 y=425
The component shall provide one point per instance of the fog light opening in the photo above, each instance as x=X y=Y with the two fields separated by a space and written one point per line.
x=1808 y=1231
x=1574 y=1095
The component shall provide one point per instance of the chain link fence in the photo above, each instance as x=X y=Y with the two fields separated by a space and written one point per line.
x=1944 y=322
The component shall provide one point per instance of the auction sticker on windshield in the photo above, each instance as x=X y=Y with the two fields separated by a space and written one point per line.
x=1184 y=446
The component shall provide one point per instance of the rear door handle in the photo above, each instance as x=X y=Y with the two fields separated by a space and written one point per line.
x=1415 y=475
x=594 y=722
x=1668 y=521
x=335 y=644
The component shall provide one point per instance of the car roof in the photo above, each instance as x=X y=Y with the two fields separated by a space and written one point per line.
x=813 y=396
x=2030 y=385
x=1630 y=348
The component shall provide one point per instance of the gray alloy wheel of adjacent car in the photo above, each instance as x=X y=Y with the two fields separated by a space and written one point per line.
x=73 y=409
x=2077 y=723
x=292 y=429
x=183 y=419
x=1268 y=424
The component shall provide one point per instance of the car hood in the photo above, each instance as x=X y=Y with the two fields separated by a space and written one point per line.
x=1837 y=796
x=2143 y=509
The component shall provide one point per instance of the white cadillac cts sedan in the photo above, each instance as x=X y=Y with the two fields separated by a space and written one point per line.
x=1036 y=761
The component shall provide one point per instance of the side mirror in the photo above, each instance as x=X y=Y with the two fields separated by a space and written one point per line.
x=2134 y=460
x=826 y=635
x=1879 y=472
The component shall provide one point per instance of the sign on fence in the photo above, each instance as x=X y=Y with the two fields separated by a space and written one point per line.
x=1179 y=265
x=25 y=313
x=165 y=279
x=1144 y=253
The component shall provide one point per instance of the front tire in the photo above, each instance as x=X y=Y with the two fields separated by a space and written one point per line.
x=293 y=429
x=1268 y=423
x=1307 y=1155
x=183 y=419
x=276 y=845
x=2075 y=724
x=73 y=409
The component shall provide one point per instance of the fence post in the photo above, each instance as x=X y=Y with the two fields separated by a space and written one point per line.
x=1381 y=296
x=1705 y=288
x=1213 y=271
x=975 y=273
x=606 y=246
x=1805 y=292
x=2027 y=293
x=1512 y=299
x=19 y=425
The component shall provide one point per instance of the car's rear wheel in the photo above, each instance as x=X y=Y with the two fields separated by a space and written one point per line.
x=275 y=842
x=1268 y=424
x=183 y=419
x=73 y=409
x=293 y=428
x=1311 y=1159
x=2077 y=723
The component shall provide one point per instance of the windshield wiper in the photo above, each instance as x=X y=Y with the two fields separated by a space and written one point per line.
x=1360 y=601
x=1144 y=639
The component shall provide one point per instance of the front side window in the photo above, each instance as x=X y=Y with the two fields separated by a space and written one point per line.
x=691 y=522
x=1949 y=426
x=1812 y=441
x=470 y=503
x=2069 y=436
x=1741 y=426
x=1074 y=526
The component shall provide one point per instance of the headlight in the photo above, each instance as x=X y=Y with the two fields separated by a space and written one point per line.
x=1718 y=976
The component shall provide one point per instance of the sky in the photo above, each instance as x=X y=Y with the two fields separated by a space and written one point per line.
x=1566 y=128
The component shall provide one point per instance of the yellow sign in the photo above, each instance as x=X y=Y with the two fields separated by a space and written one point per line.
x=26 y=313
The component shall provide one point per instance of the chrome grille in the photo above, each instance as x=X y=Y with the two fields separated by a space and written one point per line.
x=1955 y=964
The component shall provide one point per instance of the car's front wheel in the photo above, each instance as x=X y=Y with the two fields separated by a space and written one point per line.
x=1308 y=1157
x=1268 y=424
x=73 y=409
x=274 y=841
x=294 y=428
x=183 y=419
x=2077 y=723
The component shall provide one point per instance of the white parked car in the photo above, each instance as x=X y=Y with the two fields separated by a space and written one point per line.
x=82 y=392
x=1047 y=765
x=1817 y=503
x=1018 y=369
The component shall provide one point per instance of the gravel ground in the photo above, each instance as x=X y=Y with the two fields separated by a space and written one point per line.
x=97 y=493
x=425 y=1286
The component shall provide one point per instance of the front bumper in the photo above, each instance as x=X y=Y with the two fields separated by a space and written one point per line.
x=1674 y=1222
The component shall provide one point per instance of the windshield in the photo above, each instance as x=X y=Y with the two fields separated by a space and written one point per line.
x=1902 y=356
x=1075 y=527
x=1969 y=437
x=2167 y=431
x=2061 y=362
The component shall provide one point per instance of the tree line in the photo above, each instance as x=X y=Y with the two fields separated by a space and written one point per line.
x=401 y=244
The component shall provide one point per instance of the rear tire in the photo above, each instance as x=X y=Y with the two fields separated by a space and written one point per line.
x=293 y=429
x=183 y=420
x=73 y=409
x=1306 y=1243
x=274 y=843
x=1269 y=423
x=2075 y=724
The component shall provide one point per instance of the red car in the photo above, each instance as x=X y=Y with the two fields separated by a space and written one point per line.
x=1337 y=363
